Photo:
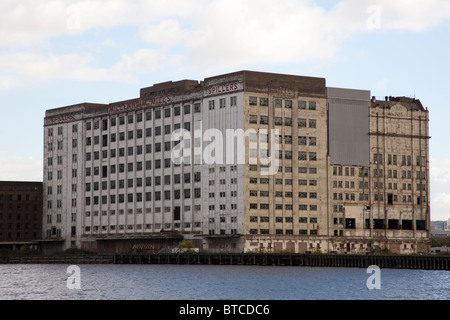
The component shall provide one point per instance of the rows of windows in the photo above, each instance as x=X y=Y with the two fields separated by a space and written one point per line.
x=279 y=121
x=392 y=224
x=139 y=116
x=266 y=206
x=129 y=211
x=222 y=103
x=286 y=139
x=289 y=182
x=286 y=231
x=281 y=194
x=285 y=219
x=280 y=103
x=18 y=235
x=288 y=169
x=148 y=226
x=403 y=160
x=287 y=154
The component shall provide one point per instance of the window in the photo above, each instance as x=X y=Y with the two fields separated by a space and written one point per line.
x=288 y=104
x=302 y=141
x=378 y=158
x=302 y=105
x=350 y=223
x=253 y=101
x=263 y=119
x=263 y=102
x=312 y=105
x=302 y=155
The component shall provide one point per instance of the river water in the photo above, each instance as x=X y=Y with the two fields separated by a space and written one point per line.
x=210 y=282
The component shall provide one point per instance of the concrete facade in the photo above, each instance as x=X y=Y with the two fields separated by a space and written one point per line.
x=112 y=185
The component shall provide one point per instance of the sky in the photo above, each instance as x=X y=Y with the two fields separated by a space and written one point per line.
x=56 y=53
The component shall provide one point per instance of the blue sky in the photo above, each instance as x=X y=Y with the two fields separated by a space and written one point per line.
x=55 y=53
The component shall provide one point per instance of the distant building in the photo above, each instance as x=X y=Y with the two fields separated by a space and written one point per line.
x=440 y=233
x=351 y=173
x=20 y=214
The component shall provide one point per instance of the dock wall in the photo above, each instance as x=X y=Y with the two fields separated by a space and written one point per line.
x=426 y=262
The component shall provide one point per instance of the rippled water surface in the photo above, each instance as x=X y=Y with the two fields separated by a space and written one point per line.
x=187 y=282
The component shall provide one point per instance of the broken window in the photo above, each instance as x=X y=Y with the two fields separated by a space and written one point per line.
x=177 y=213
x=253 y=101
x=378 y=223
x=350 y=223
x=421 y=225
x=393 y=224
x=390 y=198
x=407 y=224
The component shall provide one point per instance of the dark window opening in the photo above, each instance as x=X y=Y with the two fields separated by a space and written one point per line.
x=350 y=223
x=390 y=199
x=421 y=225
x=407 y=224
x=177 y=213
x=378 y=223
x=393 y=224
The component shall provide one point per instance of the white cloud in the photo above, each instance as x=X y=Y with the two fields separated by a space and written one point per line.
x=382 y=84
x=237 y=33
x=20 y=169
x=22 y=67
x=414 y=15
x=440 y=188
x=192 y=33
x=440 y=171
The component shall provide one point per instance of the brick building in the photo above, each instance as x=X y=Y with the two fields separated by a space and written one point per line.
x=20 y=214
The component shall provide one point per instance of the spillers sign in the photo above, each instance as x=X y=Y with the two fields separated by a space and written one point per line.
x=136 y=105
x=62 y=118
x=224 y=88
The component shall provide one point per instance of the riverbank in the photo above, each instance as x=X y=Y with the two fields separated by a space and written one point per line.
x=426 y=262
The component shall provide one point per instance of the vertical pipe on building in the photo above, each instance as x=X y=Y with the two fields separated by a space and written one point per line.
x=427 y=173
x=328 y=178
x=412 y=172
x=420 y=177
x=385 y=209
